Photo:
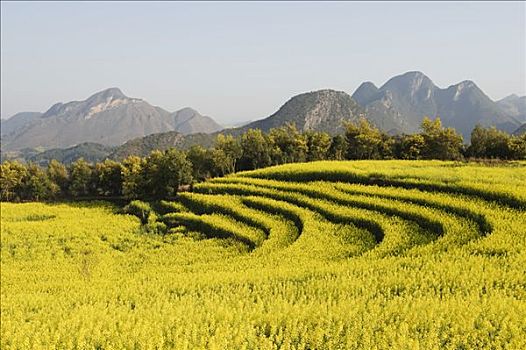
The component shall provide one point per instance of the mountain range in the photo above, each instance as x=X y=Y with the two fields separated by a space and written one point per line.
x=107 y=117
x=400 y=104
x=125 y=126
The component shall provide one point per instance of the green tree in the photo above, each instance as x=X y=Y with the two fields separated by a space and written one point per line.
x=256 y=150
x=364 y=140
x=439 y=142
x=221 y=163
x=289 y=145
x=11 y=175
x=409 y=146
x=489 y=143
x=164 y=172
x=82 y=182
x=179 y=171
x=36 y=185
x=338 y=148
x=109 y=176
x=226 y=153
x=58 y=174
x=201 y=161
x=153 y=175
x=517 y=147
x=132 y=180
x=387 y=147
x=318 y=144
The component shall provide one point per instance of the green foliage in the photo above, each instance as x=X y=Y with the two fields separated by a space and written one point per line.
x=225 y=155
x=58 y=174
x=201 y=161
x=493 y=143
x=289 y=145
x=318 y=144
x=409 y=146
x=439 y=142
x=82 y=181
x=157 y=176
x=364 y=141
x=256 y=150
x=35 y=185
x=517 y=147
x=11 y=175
x=338 y=148
x=109 y=178
x=132 y=180
x=162 y=173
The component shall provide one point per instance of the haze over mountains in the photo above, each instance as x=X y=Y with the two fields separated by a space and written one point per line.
x=401 y=103
x=133 y=126
x=107 y=117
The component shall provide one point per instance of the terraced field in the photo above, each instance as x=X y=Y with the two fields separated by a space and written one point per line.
x=394 y=210
x=324 y=255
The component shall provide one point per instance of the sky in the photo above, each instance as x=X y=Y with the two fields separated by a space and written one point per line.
x=240 y=61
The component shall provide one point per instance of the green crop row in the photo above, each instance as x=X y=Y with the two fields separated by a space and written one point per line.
x=217 y=226
x=497 y=184
x=341 y=207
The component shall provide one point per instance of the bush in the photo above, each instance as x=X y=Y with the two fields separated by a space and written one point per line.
x=140 y=209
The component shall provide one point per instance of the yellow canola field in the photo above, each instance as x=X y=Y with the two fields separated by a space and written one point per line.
x=324 y=255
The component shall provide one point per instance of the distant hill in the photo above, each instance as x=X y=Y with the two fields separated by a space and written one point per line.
x=21 y=155
x=515 y=106
x=110 y=124
x=91 y=152
x=521 y=130
x=17 y=121
x=323 y=110
x=107 y=117
x=188 y=121
x=402 y=102
x=142 y=146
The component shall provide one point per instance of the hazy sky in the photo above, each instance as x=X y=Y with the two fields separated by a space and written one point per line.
x=240 y=61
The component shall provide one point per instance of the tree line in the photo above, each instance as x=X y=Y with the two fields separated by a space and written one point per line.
x=162 y=173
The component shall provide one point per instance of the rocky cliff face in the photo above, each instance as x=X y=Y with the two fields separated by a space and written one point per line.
x=323 y=110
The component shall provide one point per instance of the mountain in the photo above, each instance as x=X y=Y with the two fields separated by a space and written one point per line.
x=365 y=93
x=21 y=155
x=142 y=146
x=188 y=121
x=17 y=121
x=402 y=102
x=91 y=152
x=107 y=117
x=515 y=106
x=323 y=110
x=521 y=130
